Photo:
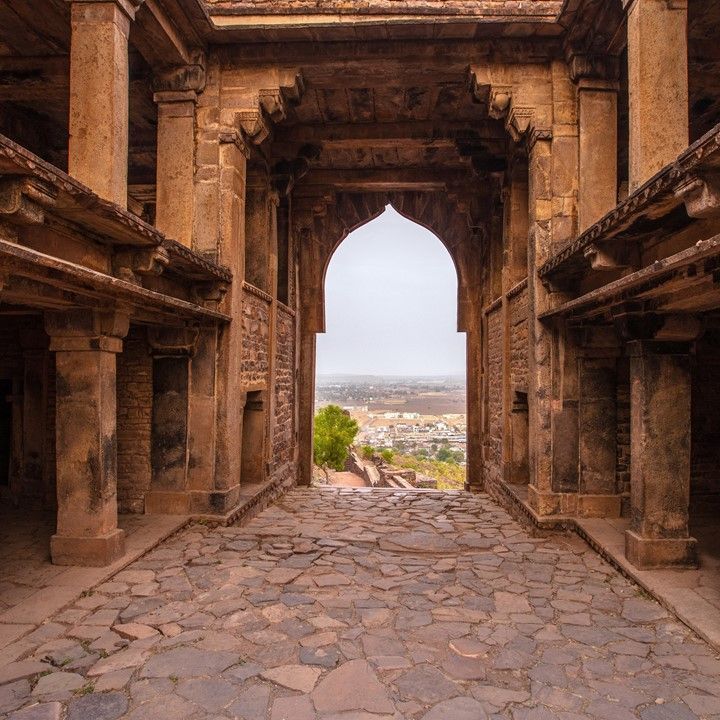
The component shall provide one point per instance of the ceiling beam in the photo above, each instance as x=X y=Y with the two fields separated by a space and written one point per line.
x=412 y=178
x=395 y=133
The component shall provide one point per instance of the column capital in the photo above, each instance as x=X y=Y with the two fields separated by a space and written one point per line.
x=128 y=7
x=172 y=342
x=629 y=5
x=182 y=82
x=597 y=72
x=86 y=330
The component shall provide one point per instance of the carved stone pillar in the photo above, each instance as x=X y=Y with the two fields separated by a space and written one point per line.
x=176 y=97
x=660 y=387
x=475 y=480
x=172 y=349
x=85 y=343
x=597 y=425
x=658 y=83
x=99 y=82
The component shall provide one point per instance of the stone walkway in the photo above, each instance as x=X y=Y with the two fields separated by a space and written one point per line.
x=363 y=605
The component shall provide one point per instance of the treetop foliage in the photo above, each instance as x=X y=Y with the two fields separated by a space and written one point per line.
x=335 y=432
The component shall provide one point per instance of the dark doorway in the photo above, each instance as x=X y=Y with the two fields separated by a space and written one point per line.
x=253 y=438
x=5 y=431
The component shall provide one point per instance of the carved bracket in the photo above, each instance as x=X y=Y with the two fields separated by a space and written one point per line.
x=170 y=341
x=209 y=294
x=603 y=258
x=183 y=78
x=129 y=264
x=701 y=195
x=23 y=200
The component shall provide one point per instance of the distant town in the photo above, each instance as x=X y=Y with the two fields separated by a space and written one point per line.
x=420 y=416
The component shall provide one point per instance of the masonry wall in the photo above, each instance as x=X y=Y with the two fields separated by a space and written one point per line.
x=519 y=347
x=255 y=339
x=134 y=418
x=494 y=425
x=622 y=469
x=283 y=440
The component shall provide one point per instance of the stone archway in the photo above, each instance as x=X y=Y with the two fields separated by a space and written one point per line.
x=321 y=230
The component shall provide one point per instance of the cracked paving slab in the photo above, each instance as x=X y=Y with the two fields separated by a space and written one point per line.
x=340 y=604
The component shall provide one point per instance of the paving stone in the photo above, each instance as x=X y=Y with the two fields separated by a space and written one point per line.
x=41 y=711
x=461 y=708
x=98 y=706
x=58 y=682
x=134 y=631
x=426 y=684
x=188 y=662
x=209 y=693
x=352 y=686
x=251 y=703
x=324 y=657
x=295 y=677
x=293 y=708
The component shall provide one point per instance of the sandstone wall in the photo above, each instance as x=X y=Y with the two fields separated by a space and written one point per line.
x=283 y=440
x=134 y=421
x=255 y=338
x=622 y=470
x=519 y=349
x=493 y=443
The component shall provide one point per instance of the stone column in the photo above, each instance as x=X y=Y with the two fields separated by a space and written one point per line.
x=172 y=349
x=658 y=84
x=660 y=392
x=85 y=343
x=176 y=97
x=597 y=89
x=98 y=145
x=597 y=425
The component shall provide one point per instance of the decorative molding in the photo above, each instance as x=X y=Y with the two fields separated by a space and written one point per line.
x=257 y=292
x=674 y=178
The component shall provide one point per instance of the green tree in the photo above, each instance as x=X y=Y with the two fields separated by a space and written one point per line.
x=367 y=452
x=444 y=454
x=335 y=432
x=387 y=455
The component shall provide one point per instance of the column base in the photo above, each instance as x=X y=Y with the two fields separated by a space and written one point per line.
x=167 y=502
x=87 y=551
x=551 y=503
x=656 y=553
x=215 y=502
x=599 y=506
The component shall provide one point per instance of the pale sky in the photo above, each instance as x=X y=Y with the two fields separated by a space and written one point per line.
x=391 y=304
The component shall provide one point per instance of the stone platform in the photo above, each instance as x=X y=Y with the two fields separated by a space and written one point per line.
x=351 y=604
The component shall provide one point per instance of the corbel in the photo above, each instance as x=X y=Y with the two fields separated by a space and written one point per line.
x=129 y=264
x=209 y=294
x=254 y=125
x=602 y=258
x=181 y=82
x=173 y=341
x=231 y=136
x=701 y=195
x=23 y=200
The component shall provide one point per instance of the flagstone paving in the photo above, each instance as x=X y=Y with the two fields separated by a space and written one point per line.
x=341 y=604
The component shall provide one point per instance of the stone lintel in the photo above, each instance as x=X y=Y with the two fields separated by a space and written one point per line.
x=99 y=343
x=88 y=551
x=656 y=553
